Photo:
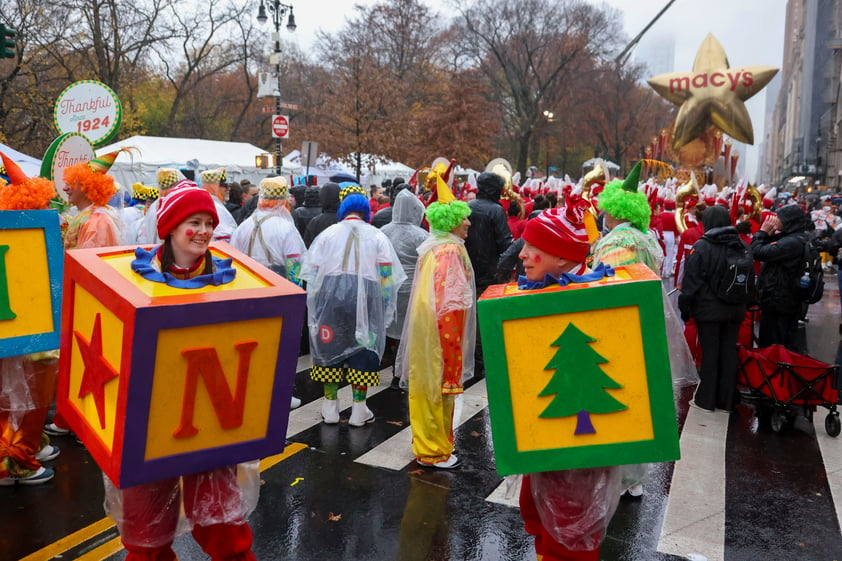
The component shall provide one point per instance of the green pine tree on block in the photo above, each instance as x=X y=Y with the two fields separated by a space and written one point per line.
x=578 y=383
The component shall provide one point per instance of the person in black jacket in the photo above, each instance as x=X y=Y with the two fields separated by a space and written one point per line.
x=718 y=321
x=329 y=195
x=782 y=255
x=489 y=235
x=302 y=215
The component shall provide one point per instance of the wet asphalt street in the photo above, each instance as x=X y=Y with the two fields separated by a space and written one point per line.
x=740 y=493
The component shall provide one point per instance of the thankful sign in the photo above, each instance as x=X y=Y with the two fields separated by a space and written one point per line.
x=90 y=108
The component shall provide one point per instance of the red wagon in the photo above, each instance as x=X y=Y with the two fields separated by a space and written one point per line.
x=788 y=381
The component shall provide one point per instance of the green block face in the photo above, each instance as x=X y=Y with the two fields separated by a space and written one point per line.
x=579 y=376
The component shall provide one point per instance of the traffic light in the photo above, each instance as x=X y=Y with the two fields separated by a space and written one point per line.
x=7 y=42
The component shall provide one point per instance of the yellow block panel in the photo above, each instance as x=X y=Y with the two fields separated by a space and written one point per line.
x=168 y=389
x=28 y=281
x=85 y=309
x=622 y=348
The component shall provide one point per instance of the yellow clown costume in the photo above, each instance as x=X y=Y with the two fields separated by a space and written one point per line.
x=438 y=356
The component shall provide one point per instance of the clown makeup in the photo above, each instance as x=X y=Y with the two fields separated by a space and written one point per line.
x=191 y=238
x=537 y=263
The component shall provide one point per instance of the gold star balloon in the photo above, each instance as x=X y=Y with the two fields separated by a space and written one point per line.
x=712 y=94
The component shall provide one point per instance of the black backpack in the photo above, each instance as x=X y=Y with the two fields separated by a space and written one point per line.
x=812 y=290
x=734 y=281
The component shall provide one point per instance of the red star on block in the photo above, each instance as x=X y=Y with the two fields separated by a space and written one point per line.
x=97 y=369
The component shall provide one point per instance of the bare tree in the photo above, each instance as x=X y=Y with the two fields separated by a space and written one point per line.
x=532 y=51
x=200 y=50
x=623 y=113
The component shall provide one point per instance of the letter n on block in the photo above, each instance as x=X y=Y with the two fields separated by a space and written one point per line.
x=204 y=376
x=579 y=376
x=31 y=258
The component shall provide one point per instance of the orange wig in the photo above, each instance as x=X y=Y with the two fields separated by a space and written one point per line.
x=98 y=187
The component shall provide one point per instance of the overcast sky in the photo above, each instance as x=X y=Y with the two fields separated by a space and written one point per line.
x=751 y=32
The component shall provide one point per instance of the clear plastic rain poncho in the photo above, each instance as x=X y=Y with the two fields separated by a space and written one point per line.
x=625 y=245
x=27 y=382
x=576 y=505
x=352 y=274
x=147 y=232
x=96 y=226
x=226 y=225
x=269 y=237
x=421 y=349
x=149 y=515
x=27 y=387
x=406 y=235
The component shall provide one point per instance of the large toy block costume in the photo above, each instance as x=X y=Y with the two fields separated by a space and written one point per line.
x=581 y=374
x=31 y=258
x=160 y=381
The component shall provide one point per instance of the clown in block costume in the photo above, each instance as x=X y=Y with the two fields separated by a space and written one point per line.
x=215 y=503
x=27 y=381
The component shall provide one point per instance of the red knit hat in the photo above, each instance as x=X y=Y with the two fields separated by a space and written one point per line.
x=561 y=231
x=184 y=199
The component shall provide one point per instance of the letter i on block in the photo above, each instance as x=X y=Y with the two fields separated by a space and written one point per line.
x=161 y=381
x=31 y=257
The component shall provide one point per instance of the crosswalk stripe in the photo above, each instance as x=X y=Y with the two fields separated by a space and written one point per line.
x=508 y=492
x=395 y=453
x=694 y=521
x=832 y=458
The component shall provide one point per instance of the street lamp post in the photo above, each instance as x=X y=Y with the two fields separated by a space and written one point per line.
x=549 y=116
x=278 y=10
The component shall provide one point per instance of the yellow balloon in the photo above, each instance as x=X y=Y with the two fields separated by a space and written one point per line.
x=712 y=94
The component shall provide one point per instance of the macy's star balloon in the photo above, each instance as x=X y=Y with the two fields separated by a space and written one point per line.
x=712 y=94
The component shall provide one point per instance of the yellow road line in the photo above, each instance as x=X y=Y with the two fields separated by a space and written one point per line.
x=291 y=449
x=70 y=541
x=104 y=551
x=66 y=543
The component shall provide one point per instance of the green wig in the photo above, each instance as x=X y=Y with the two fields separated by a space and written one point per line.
x=623 y=201
x=446 y=217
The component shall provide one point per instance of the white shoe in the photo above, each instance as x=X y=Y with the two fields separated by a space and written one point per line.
x=295 y=403
x=635 y=490
x=450 y=463
x=47 y=453
x=361 y=415
x=330 y=411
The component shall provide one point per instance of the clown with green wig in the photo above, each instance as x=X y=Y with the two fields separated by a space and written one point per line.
x=627 y=215
x=438 y=356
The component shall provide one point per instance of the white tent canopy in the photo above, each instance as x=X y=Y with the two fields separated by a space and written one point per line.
x=187 y=154
x=375 y=170
x=30 y=166
x=324 y=167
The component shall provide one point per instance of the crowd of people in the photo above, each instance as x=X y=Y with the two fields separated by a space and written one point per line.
x=424 y=248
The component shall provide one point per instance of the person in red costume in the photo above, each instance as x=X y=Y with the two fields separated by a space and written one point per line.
x=215 y=503
x=27 y=382
x=568 y=510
